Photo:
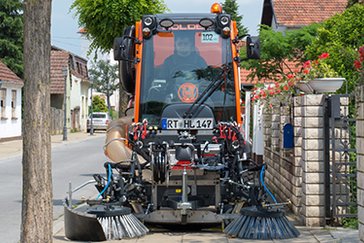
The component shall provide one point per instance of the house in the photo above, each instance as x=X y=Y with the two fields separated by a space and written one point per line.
x=10 y=104
x=284 y=15
x=69 y=78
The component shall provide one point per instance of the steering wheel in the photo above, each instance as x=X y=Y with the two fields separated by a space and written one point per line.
x=154 y=92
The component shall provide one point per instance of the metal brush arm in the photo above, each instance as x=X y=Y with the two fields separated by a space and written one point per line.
x=277 y=205
x=70 y=191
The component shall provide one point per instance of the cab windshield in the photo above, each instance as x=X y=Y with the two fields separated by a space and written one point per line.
x=178 y=66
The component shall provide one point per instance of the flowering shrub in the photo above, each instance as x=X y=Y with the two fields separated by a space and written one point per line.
x=318 y=68
x=309 y=70
x=359 y=64
x=275 y=89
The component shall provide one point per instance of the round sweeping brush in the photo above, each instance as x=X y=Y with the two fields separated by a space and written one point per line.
x=257 y=222
x=118 y=222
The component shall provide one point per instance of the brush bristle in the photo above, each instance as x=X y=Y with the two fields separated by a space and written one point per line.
x=121 y=227
x=261 y=228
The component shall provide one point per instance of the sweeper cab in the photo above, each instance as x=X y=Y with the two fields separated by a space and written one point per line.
x=179 y=156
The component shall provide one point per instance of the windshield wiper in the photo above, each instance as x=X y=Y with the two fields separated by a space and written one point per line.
x=213 y=86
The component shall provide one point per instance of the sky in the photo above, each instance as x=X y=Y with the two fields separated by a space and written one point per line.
x=64 y=26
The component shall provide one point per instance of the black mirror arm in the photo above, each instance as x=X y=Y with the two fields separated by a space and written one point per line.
x=136 y=41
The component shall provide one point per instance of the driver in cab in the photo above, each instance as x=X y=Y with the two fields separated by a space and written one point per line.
x=180 y=69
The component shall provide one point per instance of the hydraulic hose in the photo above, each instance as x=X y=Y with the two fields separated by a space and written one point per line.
x=108 y=181
x=264 y=186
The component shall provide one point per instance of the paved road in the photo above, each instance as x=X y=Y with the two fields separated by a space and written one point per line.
x=75 y=161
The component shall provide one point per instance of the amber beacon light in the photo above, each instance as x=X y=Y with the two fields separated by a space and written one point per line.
x=216 y=8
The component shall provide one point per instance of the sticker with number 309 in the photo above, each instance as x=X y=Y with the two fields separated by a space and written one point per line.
x=209 y=37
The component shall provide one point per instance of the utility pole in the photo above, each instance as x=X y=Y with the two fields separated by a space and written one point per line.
x=92 y=110
x=65 y=104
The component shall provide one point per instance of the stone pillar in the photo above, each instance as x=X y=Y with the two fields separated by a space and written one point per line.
x=268 y=155
x=360 y=160
x=275 y=126
x=274 y=164
x=297 y=159
x=313 y=199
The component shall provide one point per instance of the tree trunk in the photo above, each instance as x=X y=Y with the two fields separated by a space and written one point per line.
x=123 y=101
x=108 y=102
x=37 y=210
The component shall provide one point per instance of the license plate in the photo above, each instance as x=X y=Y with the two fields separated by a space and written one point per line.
x=194 y=123
x=98 y=121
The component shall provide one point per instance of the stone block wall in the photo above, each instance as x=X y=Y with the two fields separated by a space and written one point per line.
x=284 y=172
x=297 y=175
x=360 y=160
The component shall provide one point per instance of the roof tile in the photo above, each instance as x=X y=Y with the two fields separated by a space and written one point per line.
x=59 y=60
x=9 y=76
x=302 y=13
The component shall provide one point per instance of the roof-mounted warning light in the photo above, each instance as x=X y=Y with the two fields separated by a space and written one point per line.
x=216 y=8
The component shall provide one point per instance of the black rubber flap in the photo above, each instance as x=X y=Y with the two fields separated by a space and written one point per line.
x=82 y=226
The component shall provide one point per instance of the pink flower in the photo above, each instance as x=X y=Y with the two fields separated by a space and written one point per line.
x=307 y=64
x=285 y=87
x=263 y=94
x=290 y=76
x=306 y=71
x=324 y=55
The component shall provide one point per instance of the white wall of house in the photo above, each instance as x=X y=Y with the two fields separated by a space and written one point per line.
x=84 y=107
x=79 y=97
x=10 y=121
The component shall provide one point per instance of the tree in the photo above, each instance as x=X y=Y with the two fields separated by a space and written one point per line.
x=104 y=78
x=341 y=36
x=37 y=210
x=231 y=7
x=98 y=104
x=278 y=48
x=352 y=2
x=11 y=35
x=104 y=20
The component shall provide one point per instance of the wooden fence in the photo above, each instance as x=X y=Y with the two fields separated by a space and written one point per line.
x=56 y=121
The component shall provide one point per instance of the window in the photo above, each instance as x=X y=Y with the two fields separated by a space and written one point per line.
x=13 y=104
x=78 y=67
x=2 y=102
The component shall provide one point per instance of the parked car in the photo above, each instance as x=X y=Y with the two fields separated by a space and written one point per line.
x=100 y=121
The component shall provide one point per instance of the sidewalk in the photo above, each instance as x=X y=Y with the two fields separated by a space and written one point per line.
x=14 y=148
x=307 y=235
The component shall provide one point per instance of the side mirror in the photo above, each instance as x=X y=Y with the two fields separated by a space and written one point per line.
x=118 y=48
x=124 y=46
x=253 y=47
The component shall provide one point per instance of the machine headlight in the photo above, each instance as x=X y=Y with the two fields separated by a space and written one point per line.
x=166 y=23
x=224 y=20
x=148 y=21
x=146 y=32
x=226 y=31
x=206 y=22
